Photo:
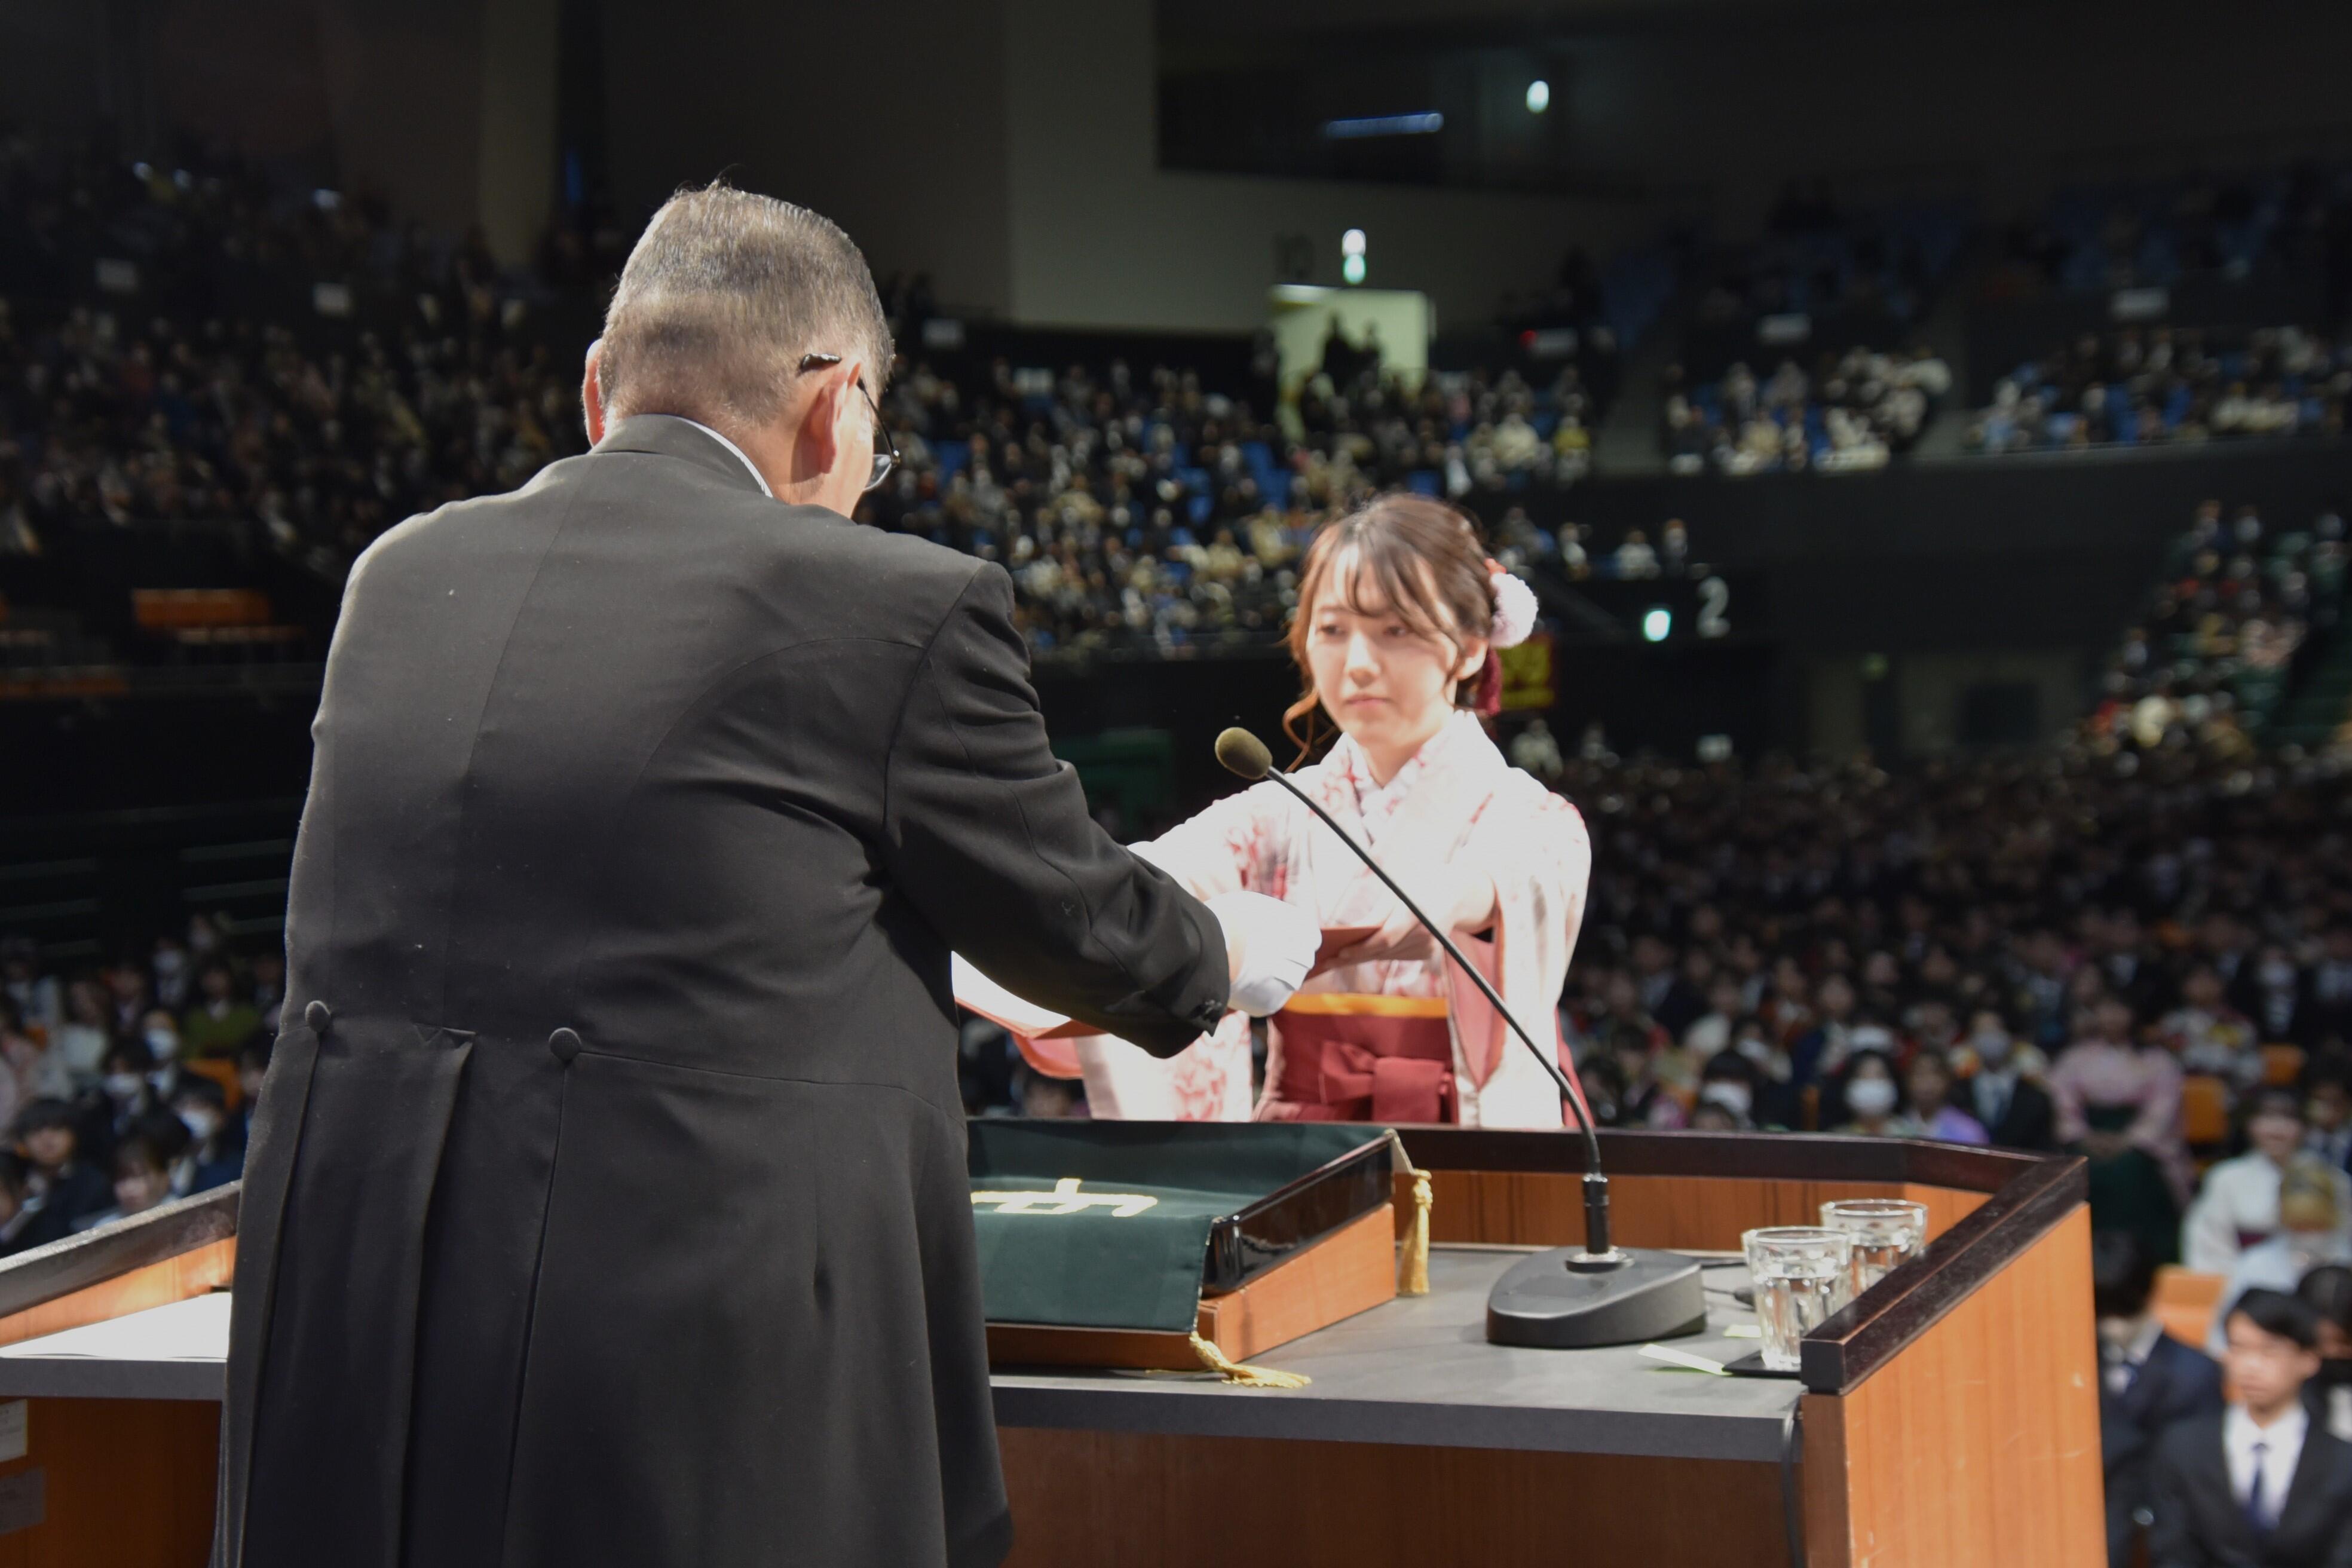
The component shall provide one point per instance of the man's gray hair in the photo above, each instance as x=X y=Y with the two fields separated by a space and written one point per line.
x=724 y=295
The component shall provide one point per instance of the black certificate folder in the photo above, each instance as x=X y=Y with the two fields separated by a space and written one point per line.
x=1129 y=1224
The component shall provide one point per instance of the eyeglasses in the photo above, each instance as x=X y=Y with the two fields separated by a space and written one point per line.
x=887 y=458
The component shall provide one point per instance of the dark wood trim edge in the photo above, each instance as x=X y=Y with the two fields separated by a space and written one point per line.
x=1869 y=1331
x=31 y=1279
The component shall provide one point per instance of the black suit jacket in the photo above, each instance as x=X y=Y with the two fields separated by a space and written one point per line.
x=2199 y=1523
x=606 y=1203
x=1678 y=1007
x=2317 y=1017
x=2175 y=1384
x=2030 y=1121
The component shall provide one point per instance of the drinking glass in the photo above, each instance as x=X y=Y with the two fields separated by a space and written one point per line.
x=1799 y=1274
x=1885 y=1231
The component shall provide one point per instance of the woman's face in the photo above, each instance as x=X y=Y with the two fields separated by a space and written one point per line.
x=1387 y=686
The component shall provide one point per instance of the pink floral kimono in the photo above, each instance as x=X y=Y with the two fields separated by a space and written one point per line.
x=1393 y=1040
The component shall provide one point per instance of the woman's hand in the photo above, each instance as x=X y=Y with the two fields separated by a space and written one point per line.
x=1458 y=899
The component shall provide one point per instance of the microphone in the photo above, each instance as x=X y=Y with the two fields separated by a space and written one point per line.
x=1617 y=1296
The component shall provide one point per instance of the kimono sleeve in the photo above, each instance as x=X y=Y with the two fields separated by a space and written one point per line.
x=1222 y=850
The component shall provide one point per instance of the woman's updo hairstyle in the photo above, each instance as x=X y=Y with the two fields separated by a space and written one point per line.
x=1387 y=543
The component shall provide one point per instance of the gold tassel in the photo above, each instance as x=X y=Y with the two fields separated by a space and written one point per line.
x=1243 y=1376
x=1412 y=1259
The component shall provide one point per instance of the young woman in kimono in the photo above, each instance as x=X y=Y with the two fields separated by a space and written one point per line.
x=1399 y=612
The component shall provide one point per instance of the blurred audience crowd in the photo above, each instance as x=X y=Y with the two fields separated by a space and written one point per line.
x=2135 y=957
x=2207 y=663
x=2159 y=233
x=128 y=1084
x=1148 y=512
x=158 y=360
x=1863 y=409
x=2166 y=384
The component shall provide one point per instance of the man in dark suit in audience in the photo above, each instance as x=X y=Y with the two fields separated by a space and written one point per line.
x=2326 y=1007
x=2015 y=1112
x=2262 y=1485
x=2147 y=1382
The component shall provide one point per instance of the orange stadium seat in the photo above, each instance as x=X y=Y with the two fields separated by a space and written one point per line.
x=165 y=609
x=2204 y=1110
x=2185 y=1301
x=2281 y=1065
x=222 y=1072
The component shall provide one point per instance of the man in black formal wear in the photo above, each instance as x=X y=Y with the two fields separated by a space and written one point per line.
x=2147 y=1382
x=2261 y=1485
x=606 y=1204
x=2015 y=1112
x=2328 y=987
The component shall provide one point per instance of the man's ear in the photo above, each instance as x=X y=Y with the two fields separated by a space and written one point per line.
x=817 y=441
x=592 y=392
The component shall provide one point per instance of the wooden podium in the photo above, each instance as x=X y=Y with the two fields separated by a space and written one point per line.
x=1948 y=1416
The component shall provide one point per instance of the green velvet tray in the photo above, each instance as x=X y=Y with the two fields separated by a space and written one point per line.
x=1131 y=1223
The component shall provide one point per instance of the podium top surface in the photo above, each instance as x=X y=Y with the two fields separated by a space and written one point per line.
x=1419 y=1370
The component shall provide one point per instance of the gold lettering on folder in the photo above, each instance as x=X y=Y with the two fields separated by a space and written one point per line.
x=1066 y=1198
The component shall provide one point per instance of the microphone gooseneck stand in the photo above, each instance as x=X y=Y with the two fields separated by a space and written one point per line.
x=1568 y=1298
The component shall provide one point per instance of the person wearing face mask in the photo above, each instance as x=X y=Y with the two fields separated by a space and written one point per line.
x=1730 y=1094
x=123 y=1095
x=2015 y=1112
x=2311 y=1232
x=160 y=1032
x=216 y=1152
x=2327 y=1292
x=2238 y=1206
x=1870 y=1098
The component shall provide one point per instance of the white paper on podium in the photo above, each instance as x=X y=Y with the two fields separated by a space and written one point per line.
x=193 y=1330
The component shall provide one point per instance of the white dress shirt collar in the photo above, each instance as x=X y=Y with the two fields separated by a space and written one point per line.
x=757 y=477
x=2125 y=1361
x=2281 y=1443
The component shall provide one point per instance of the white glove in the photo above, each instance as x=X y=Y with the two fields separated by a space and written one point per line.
x=1270 y=946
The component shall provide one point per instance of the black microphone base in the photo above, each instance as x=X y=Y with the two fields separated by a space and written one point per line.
x=1544 y=1304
